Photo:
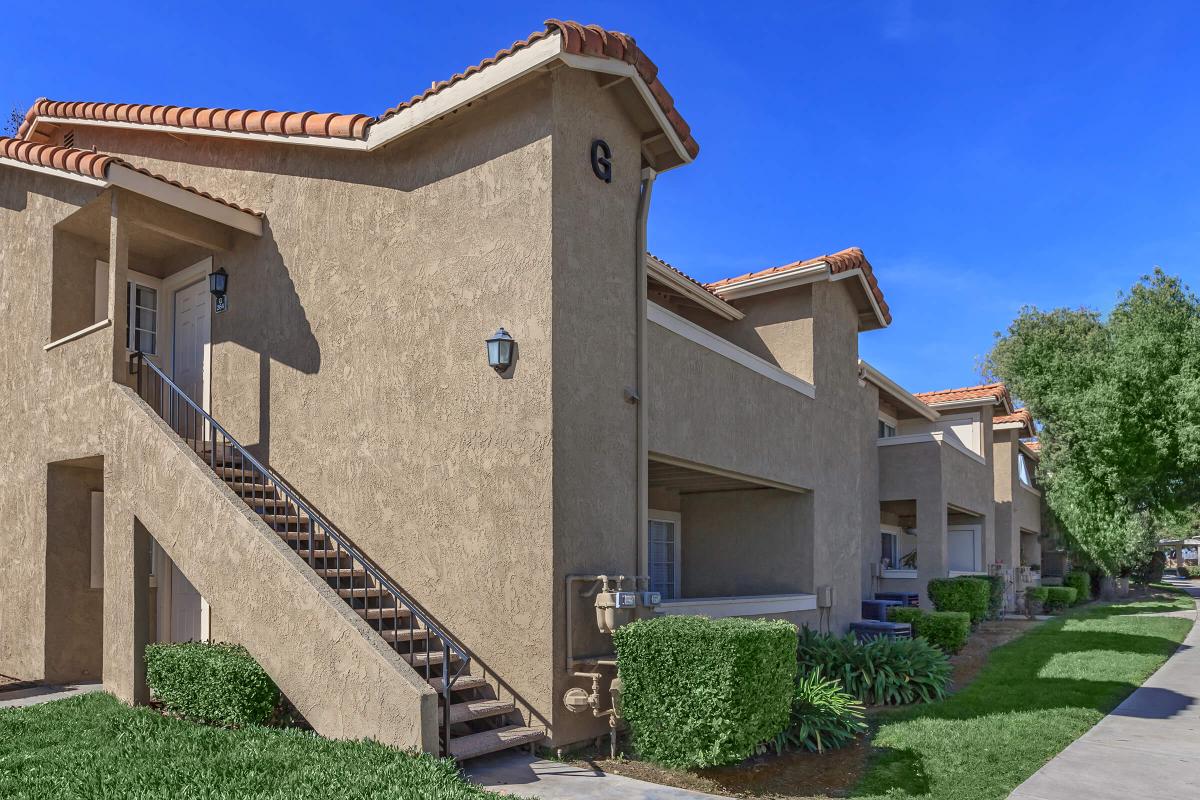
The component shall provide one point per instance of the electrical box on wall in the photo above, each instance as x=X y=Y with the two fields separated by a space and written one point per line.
x=824 y=597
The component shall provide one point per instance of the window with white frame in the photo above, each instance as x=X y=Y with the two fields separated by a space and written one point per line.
x=141 y=318
x=1023 y=470
x=886 y=429
x=663 y=542
x=890 y=552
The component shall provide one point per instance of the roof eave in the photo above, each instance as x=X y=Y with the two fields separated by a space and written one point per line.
x=897 y=392
x=801 y=275
x=692 y=291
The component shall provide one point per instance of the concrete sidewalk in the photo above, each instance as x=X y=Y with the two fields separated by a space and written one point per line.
x=526 y=776
x=32 y=695
x=1149 y=746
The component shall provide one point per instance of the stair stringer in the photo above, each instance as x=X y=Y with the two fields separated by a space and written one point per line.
x=345 y=680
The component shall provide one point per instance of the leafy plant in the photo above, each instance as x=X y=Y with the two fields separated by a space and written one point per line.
x=1191 y=571
x=702 y=692
x=947 y=630
x=995 y=595
x=969 y=594
x=1058 y=598
x=880 y=671
x=218 y=683
x=1081 y=582
x=824 y=715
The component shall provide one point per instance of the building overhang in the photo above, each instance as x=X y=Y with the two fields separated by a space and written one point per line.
x=689 y=289
x=894 y=392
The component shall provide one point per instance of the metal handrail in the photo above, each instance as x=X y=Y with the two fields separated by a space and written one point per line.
x=344 y=547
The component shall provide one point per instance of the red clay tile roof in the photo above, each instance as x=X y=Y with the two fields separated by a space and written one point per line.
x=1020 y=415
x=680 y=273
x=291 y=123
x=587 y=40
x=841 y=261
x=996 y=391
x=88 y=163
x=1034 y=445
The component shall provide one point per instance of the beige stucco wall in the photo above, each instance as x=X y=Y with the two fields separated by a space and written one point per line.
x=757 y=541
x=1018 y=508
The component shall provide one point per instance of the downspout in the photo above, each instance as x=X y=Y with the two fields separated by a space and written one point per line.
x=643 y=412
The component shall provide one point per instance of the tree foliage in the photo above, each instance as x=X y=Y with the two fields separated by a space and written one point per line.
x=11 y=125
x=1119 y=401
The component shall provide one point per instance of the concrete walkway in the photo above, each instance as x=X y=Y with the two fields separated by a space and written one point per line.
x=32 y=695
x=1149 y=746
x=526 y=776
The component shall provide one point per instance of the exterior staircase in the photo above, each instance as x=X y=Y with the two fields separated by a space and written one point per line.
x=474 y=721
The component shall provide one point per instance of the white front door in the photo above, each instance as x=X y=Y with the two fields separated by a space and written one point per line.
x=185 y=609
x=190 y=343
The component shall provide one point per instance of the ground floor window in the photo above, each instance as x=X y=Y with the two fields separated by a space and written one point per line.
x=664 y=546
x=891 y=550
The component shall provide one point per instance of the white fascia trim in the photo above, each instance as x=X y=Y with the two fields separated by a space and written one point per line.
x=965 y=573
x=58 y=173
x=710 y=341
x=940 y=437
x=866 y=287
x=174 y=130
x=778 y=280
x=692 y=291
x=612 y=66
x=1007 y=426
x=906 y=397
x=973 y=403
x=900 y=574
x=459 y=94
x=1024 y=448
x=164 y=192
x=747 y=606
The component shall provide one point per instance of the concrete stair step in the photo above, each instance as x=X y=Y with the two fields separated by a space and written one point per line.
x=480 y=744
x=463 y=684
x=404 y=635
x=480 y=709
x=302 y=536
x=362 y=591
x=342 y=572
x=383 y=613
x=330 y=553
x=421 y=659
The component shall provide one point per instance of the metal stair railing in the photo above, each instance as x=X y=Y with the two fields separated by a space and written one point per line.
x=194 y=424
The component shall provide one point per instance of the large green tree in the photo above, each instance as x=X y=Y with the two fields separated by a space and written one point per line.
x=1119 y=401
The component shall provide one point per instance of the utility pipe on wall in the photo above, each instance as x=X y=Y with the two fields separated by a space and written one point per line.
x=643 y=412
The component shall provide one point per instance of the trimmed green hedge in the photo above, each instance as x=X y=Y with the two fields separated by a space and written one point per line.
x=969 y=594
x=1058 y=598
x=995 y=595
x=946 y=629
x=701 y=692
x=881 y=671
x=1189 y=571
x=217 y=683
x=1081 y=582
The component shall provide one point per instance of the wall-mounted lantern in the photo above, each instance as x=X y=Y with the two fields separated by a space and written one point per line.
x=500 y=350
x=218 y=282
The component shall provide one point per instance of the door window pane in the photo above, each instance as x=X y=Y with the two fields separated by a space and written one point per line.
x=142 y=312
x=962 y=549
x=890 y=551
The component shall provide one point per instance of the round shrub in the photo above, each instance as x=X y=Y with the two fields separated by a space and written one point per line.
x=969 y=594
x=217 y=683
x=1081 y=582
x=1035 y=599
x=945 y=629
x=824 y=715
x=701 y=692
x=881 y=671
x=1058 y=598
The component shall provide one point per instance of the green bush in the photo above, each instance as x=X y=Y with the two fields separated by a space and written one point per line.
x=1191 y=572
x=1058 y=598
x=218 y=683
x=969 y=594
x=824 y=715
x=945 y=629
x=1081 y=582
x=995 y=595
x=1037 y=594
x=881 y=671
x=702 y=692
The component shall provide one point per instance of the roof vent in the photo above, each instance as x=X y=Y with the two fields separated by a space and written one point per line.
x=69 y=138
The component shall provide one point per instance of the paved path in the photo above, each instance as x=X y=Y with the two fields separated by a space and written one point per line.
x=32 y=695
x=526 y=776
x=1149 y=746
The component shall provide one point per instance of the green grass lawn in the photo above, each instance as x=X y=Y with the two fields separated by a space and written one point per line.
x=1036 y=695
x=96 y=747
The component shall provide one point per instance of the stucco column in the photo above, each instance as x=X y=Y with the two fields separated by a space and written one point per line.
x=931 y=541
x=118 y=275
x=126 y=604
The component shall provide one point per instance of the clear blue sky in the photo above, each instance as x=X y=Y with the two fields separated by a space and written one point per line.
x=984 y=155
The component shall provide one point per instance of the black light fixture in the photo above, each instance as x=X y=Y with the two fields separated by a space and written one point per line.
x=500 y=350
x=218 y=282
